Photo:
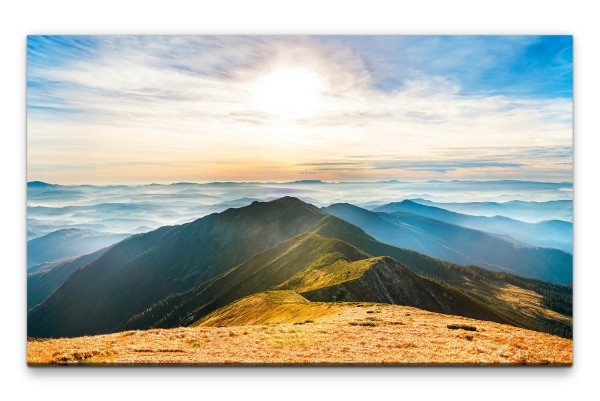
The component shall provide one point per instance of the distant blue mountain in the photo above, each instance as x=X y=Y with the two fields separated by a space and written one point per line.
x=550 y=233
x=39 y=184
x=67 y=243
x=305 y=182
x=532 y=212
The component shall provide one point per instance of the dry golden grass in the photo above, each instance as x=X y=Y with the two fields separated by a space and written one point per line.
x=529 y=303
x=336 y=333
x=271 y=307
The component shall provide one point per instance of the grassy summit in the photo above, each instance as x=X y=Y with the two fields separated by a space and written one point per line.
x=280 y=328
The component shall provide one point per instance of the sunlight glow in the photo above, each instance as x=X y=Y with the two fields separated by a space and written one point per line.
x=288 y=92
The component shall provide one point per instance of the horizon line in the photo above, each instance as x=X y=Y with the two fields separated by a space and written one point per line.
x=298 y=182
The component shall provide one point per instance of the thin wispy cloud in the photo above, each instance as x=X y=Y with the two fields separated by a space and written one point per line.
x=201 y=108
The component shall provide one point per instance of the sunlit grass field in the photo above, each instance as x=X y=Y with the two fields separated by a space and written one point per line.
x=294 y=331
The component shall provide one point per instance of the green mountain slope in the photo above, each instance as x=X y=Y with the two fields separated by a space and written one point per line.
x=459 y=244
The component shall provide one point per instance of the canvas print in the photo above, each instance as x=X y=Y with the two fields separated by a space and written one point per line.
x=322 y=200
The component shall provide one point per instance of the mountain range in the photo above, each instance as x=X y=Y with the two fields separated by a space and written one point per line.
x=528 y=211
x=177 y=274
x=130 y=209
x=459 y=244
x=550 y=233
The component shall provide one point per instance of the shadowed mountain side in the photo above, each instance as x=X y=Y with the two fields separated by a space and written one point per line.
x=46 y=278
x=67 y=243
x=459 y=244
x=93 y=295
x=551 y=233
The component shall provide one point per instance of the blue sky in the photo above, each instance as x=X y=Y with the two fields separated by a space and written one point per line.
x=200 y=108
x=537 y=66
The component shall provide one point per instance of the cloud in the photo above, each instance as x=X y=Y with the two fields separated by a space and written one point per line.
x=185 y=99
x=425 y=165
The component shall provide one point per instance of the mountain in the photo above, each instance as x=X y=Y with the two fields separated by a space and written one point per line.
x=459 y=244
x=175 y=274
x=39 y=184
x=68 y=243
x=531 y=212
x=551 y=233
x=145 y=268
x=44 y=279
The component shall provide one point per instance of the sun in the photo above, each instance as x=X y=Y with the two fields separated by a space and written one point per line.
x=288 y=92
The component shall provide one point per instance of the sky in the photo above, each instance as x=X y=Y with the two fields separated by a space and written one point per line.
x=142 y=109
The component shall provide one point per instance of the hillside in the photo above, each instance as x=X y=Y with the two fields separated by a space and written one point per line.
x=275 y=329
x=67 y=243
x=550 y=233
x=459 y=244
